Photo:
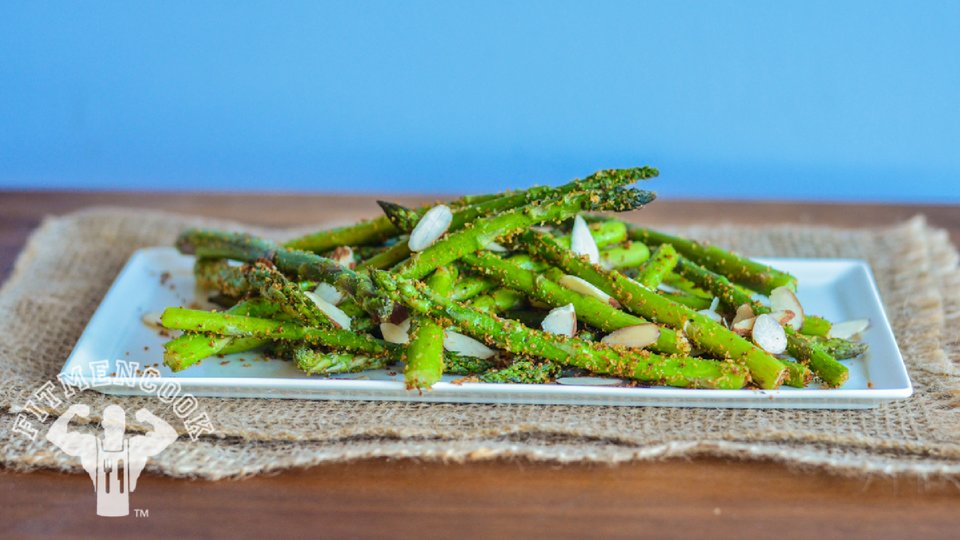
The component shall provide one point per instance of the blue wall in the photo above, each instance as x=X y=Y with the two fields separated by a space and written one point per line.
x=836 y=100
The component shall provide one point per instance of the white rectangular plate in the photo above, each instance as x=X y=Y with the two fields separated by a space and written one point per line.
x=836 y=289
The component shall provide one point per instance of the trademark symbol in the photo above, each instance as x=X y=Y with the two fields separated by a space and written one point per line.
x=141 y=512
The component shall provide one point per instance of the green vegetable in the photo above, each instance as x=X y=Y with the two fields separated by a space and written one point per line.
x=518 y=339
x=425 y=350
x=226 y=324
x=830 y=371
x=309 y=266
x=631 y=255
x=740 y=269
x=766 y=371
x=523 y=371
x=591 y=310
x=456 y=245
x=815 y=326
x=661 y=263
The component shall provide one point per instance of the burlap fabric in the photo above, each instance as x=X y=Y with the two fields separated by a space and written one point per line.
x=70 y=261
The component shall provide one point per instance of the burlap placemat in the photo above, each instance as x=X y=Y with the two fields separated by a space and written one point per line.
x=70 y=261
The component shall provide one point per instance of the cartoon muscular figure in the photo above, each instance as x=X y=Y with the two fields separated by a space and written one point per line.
x=114 y=463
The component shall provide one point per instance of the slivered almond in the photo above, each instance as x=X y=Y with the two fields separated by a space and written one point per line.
x=582 y=242
x=783 y=299
x=849 y=329
x=329 y=293
x=396 y=333
x=712 y=315
x=784 y=317
x=744 y=312
x=769 y=335
x=561 y=321
x=466 y=345
x=152 y=319
x=335 y=314
x=344 y=257
x=712 y=311
x=496 y=247
x=584 y=287
x=744 y=327
x=431 y=226
x=637 y=337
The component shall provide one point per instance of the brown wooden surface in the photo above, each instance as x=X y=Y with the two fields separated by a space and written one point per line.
x=705 y=498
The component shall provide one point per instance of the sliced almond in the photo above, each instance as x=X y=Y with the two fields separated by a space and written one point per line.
x=344 y=257
x=329 y=293
x=769 y=335
x=744 y=327
x=784 y=317
x=466 y=345
x=152 y=319
x=663 y=287
x=712 y=315
x=783 y=299
x=744 y=312
x=396 y=333
x=431 y=226
x=561 y=321
x=849 y=329
x=637 y=337
x=586 y=288
x=582 y=242
x=712 y=311
x=496 y=247
x=335 y=314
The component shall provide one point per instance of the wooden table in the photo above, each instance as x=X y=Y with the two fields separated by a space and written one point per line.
x=706 y=498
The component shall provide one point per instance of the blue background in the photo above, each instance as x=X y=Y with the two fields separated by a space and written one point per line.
x=811 y=100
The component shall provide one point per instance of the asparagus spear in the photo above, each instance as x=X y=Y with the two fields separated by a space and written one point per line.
x=305 y=265
x=766 y=371
x=406 y=219
x=454 y=364
x=287 y=295
x=468 y=287
x=815 y=326
x=499 y=300
x=832 y=372
x=591 y=310
x=317 y=362
x=604 y=233
x=841 y=349
x=661 y=263
x=631 y=255
x=740 y=269
x=425 y=350
x=523 y=371
x=389 y=257
x=518 y=339
x=371 y=231
x=695 y=303
x=486 y=230
x=184 y=351
x=226 y=324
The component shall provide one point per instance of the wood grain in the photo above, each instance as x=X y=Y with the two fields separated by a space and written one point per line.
x=706 y=498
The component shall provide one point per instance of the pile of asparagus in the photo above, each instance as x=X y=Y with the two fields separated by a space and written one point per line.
x=521 y=287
